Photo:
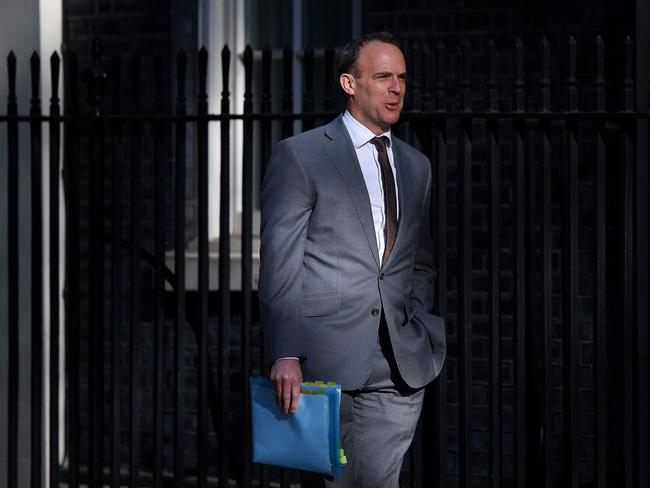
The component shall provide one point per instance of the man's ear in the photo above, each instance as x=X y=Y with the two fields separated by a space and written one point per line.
x=348 y=83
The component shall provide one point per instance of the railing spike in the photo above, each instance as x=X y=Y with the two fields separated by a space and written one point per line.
x=466 y=67
x=35 y=67
x=428 y=62
x=248 y=70
x=11 y=69
x=519 y=85
x=225 y=67
x=600 y=59
x=55 y=66
x=599 y=82
x=628 y=82
x=441 y=51
x=571 y=82
x=181 y=64
x=492 y=78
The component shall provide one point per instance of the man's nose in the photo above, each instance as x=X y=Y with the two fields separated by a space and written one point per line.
x=395 y=86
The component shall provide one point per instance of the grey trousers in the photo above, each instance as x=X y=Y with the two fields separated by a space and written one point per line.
x=378 y=422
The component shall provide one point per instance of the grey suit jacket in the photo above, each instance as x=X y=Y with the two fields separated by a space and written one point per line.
x=321 y=286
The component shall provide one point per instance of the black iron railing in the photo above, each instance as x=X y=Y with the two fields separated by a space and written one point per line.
x=535 y=220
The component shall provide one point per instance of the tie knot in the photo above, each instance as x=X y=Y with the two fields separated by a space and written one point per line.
x=379 y=143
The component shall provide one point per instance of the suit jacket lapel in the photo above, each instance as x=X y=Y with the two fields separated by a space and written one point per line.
x=340 y=150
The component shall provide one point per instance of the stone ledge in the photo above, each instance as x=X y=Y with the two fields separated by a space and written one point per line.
x=192 y=264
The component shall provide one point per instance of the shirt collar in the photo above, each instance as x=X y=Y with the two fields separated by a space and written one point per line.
x=359 y=133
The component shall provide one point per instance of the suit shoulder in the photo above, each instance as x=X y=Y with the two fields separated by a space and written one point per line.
x=305 y=140
x=410 y=152
x=300 y=151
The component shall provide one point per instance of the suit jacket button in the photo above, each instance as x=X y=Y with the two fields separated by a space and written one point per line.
x=375 y=311
x=381 y=276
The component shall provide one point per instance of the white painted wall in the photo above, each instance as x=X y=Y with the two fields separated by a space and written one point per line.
x=51 y=40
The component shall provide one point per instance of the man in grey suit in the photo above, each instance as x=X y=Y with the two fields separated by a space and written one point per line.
x=346 y=266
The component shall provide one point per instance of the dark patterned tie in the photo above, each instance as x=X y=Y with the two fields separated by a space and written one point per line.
x=390 y=198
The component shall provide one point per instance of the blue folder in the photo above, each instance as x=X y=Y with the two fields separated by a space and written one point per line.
x=306 y=440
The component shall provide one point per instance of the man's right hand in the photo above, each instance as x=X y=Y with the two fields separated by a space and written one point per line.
x=286 y=376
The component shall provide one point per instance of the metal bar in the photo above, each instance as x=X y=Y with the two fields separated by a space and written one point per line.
x=406 y=116
x=329 y=99
x=520 y=142
x=36 y=279
x=12 y=277
x=224 y=226
x=464 y=324
x=179 y=272
x=545 y=336
x=530 y=359
x=55 y=294
x=643 y=294
x=547 y=317
x=71 y=176
x=642 y=72
x=97 y=319
x=159 y=276
x=287 y=91
x=439 y=472
x=570 y=277
x=494 y=271
x=203 y=278
x=308 y=89
x=265 y=107
x=428 y=70
x=96 y=287
x=628 y=144
x=135 y=279
x=247 y=262
x=266 y=135
x=600 y=266
x=116 y=278
x=414 y=93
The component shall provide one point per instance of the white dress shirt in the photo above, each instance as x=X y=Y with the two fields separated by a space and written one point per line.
x=371 y=170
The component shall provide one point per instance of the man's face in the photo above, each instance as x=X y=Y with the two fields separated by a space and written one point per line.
x=376 y=93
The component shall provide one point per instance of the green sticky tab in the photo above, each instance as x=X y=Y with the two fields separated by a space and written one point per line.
x=342 y=457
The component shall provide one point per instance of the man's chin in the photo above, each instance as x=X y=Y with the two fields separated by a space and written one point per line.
x=391 y=118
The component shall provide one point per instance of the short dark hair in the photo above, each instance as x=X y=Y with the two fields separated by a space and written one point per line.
x=347 y=56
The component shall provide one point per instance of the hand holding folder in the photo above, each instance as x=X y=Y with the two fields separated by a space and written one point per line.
x=307 y=439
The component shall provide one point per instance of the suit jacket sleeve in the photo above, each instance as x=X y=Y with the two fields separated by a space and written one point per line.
x=423 y=271
x=286 y=205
